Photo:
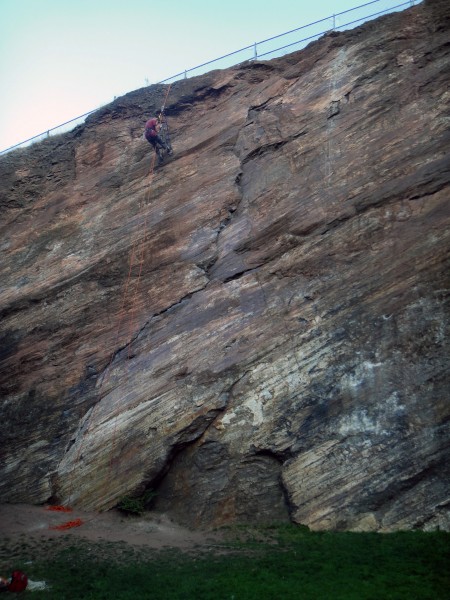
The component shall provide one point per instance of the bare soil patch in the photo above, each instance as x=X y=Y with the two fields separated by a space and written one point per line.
x=27 y=532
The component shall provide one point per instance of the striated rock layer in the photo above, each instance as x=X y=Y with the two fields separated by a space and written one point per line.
x=258 y=331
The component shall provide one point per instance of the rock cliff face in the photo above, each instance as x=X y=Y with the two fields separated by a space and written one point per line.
x=258 y=329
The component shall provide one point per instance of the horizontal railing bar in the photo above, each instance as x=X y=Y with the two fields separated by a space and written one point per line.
x=251 y=46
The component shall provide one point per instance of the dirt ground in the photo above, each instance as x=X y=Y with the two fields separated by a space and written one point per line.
x=154 y=530
x=28 y=533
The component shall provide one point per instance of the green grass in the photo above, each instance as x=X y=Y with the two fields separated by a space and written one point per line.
x=282 y=563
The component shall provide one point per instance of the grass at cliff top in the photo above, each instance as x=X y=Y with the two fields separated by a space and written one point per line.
x=282 y=563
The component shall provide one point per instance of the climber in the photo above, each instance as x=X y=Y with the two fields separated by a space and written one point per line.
x=16 y=583
x=151 y=134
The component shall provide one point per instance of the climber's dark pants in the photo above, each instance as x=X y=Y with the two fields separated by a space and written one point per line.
x=155 y=142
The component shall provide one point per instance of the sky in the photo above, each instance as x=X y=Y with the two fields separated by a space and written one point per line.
x=62 y=58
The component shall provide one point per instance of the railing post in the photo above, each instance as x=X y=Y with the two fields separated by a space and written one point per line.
x=334 y=22
x=256 y=52
x=185 y=74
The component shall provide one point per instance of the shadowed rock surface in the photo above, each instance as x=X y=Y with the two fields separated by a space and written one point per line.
x=258 y=330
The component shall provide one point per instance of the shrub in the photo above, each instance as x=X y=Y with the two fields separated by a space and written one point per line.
x=136 y=505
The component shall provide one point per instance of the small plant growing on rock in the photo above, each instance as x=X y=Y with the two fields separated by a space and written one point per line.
x=136 y=505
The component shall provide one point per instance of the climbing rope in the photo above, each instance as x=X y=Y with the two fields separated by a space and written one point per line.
x=68 y=525
x=137 y=250
x=141 y=253
x=59 y=508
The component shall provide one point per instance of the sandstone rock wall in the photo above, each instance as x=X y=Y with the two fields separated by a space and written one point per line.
x=258 y=330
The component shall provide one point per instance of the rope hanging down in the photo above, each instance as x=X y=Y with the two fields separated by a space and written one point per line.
x=137 y=250
x=141 y=253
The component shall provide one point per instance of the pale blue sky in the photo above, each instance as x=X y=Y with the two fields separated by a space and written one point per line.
x=62 y=58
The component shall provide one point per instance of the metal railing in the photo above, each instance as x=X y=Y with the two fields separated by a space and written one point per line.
x=254 y=51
